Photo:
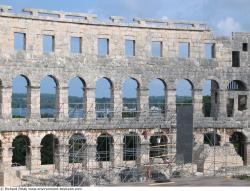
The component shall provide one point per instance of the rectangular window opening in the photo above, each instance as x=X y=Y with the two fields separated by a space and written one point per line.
x=242 y=102
x=245 y=47
x=75 y=45
x=48 y=43
x=156 y=48
x=19 y=41
x=236 y=59
x=184 y=50
x=103 y=46
x=129 y=48
x=209 y=50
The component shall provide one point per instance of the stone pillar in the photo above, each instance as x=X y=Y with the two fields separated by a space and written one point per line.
x=6 y=102
x=236 y=103
x=33 y=102
x=61 y=157
x=35 y=162
x=118 y=151
x=197 y=103
x=222 y=104
x=91 y=156
x=7 y=155
x=143 y=107
x=170 y=111
x=62 y=102
x=247 y=153
x=144 y=152
x=90 y=103
x=118 y=103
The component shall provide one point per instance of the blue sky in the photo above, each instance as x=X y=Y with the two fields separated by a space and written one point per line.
x=223 y=16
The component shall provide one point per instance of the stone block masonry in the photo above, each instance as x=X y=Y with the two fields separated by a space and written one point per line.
x=228 y=71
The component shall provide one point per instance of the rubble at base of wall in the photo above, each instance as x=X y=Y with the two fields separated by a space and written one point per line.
x=217 y=160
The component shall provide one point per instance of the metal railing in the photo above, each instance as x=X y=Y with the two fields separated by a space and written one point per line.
x=130 y=110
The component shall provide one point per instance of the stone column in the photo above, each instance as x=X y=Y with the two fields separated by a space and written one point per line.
x=143 y=107
x=35 y=162
x=118 y=104
x=33 y=102
x=62 y=102
x=222 y=104
x=90 y=103
x=6 y=102
x=170 y=111
x=197 y=103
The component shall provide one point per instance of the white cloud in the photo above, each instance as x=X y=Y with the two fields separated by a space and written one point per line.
x=228 y=25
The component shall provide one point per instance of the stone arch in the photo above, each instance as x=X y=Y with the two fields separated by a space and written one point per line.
x=76 y=97
x=238 y=139
x=212 y=139
x=20 y=99
x=211 y=93
x=158 y=145
x=21 y=154
x=105 y=148
x=49 y=97
x=49 y=146
x=131 y=146
x=236 y=85
x=78 y=149
x=131 y=98
x=104 y=98
x=157 y=97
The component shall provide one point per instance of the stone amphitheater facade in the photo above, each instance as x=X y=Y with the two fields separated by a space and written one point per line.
x=62 y=65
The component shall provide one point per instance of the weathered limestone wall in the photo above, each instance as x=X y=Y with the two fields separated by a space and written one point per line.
x=62 y=65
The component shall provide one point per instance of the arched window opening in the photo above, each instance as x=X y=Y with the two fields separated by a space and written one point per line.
x=78 y=149
x=236 y=85
x=48 y=97
x=20 y=100
x=49 y=147
x=184 y=119
x=210 y=99
x=131 y=147
x=76 y=98
x=158 y=146
x=21 y=151
x=104 y=147
x=238 y=140
x=104 y=98
x=157 y=98
x=130 y=97
x=184 y=93
x=212 y=139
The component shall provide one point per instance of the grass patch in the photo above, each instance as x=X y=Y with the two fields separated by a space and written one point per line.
x=242 y=177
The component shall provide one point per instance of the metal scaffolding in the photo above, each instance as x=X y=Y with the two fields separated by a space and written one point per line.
x=131 y=153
